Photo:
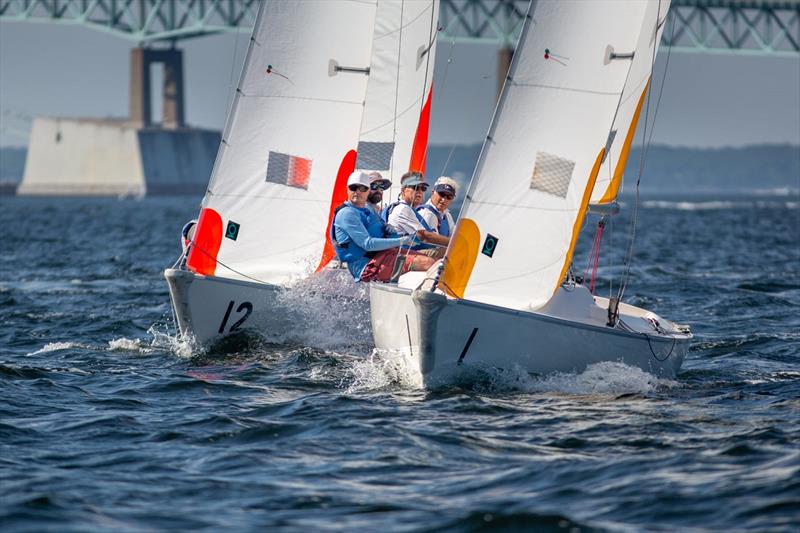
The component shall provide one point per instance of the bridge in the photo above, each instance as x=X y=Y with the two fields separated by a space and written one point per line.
x=151 y=156
x=769 y=27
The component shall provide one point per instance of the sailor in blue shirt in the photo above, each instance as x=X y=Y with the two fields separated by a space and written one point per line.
x=362 y=240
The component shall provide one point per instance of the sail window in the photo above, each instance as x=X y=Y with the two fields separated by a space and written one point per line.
x=375 y=155
x=552 y=174
x=285 y=169
x=610 y=141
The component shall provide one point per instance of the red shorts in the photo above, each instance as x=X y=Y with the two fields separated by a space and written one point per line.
x=381 y=267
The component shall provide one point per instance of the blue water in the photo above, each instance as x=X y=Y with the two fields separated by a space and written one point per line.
x=108 y=422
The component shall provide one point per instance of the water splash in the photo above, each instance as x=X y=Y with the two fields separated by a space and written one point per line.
x=606 y=378
x=603 y=378
x=180 y=345
x=381 y=370
x=124 y=344
x=332 y=309
x=56 y=346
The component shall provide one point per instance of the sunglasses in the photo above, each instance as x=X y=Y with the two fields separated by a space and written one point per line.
x=420 y=187
x=446 y=195
x=379 y=186
x=359 y=188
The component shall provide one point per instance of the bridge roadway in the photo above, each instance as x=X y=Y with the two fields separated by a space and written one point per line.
x=768 y=27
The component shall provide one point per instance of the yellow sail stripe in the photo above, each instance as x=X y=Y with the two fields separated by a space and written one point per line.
x=461 y=256
x=613 y=187
x=576 y=228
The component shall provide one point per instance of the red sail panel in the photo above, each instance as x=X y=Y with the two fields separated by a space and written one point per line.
x=420 y=149
x=207 y=240
x=339 y=196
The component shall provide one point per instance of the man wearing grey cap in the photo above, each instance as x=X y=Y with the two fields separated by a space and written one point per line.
x=436 y=211
x=405 y=220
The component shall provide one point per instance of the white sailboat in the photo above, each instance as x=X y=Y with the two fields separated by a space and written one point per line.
x=327 y=85
x=503 y=295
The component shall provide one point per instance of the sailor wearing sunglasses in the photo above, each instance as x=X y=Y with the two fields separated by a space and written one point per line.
x=377 y=184
x=403 y=218
x=363 y=241
x=436 y=211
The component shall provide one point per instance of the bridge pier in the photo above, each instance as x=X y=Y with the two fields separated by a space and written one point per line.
x=172 y=90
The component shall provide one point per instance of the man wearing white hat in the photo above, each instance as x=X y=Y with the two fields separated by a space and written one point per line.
x=436 y=211
x=363 y=241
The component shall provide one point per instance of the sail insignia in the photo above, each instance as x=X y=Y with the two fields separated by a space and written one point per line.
x=552 y=174
x=611 y=136
x=285 y=169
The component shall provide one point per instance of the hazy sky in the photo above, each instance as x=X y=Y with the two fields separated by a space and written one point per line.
x=709 y=100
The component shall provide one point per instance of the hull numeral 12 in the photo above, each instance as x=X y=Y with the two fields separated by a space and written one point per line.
x=247 y=307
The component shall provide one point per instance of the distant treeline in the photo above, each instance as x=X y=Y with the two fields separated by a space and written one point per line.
x=667 y=169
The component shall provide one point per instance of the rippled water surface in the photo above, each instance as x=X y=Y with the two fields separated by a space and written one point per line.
x=108 y=422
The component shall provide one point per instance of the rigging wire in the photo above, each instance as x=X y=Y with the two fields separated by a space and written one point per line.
x=646 y=139
x=432 y=36
x=397 y=86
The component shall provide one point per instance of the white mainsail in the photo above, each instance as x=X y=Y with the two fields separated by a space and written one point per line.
x=542 y=156
x=399 y=87
x=632 y=102
x=294 y=122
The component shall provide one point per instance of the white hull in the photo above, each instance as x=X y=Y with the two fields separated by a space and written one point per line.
x=442 y=334
x=208 y=308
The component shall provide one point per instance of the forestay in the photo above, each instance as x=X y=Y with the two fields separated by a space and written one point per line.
x=399 y=88
x=632 y=103
x=543 y=152
x=295 y=118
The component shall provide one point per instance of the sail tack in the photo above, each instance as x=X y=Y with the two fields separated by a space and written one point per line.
x=295 y=119
x=541 y=158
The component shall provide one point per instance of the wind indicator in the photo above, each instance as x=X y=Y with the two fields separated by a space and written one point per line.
x=271 y=70
x=555 y=57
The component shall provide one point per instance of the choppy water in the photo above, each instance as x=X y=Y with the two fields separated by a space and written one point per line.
x=108 y=423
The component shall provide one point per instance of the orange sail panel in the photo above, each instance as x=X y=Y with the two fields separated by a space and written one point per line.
x=613 y=188
x=207 y=240
x=338 y=196
x=576 y=228
x=420 y=149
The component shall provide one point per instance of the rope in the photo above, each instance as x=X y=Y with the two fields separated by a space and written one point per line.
x=397 y=84
x=434 y=28
x=194 y=244
x=594 y=255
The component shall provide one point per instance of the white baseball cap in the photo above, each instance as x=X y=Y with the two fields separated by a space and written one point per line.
x=358 y=178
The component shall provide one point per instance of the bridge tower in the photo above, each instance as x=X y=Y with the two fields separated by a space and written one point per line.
x=172 y=88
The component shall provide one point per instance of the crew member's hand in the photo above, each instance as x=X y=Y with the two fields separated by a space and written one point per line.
x=422 y=235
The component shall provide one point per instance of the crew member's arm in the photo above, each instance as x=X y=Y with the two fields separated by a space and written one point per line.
x=349 y=221
x=432 y=236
